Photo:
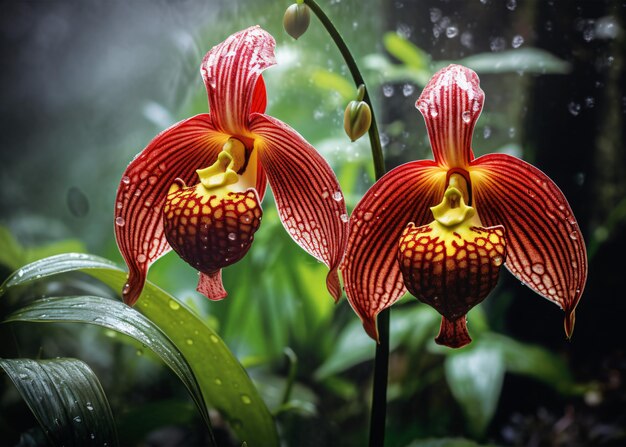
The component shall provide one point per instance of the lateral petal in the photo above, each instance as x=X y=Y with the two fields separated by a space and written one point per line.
x=176 y=152
x=308 y=196
x=545 y=246
x=232 y=74
x=451 y=103
x=371 y=273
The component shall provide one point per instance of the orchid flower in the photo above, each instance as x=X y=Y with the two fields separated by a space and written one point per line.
x=442 y=228
x=227 y=157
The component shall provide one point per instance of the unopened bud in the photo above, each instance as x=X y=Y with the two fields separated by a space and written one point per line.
x=297 y=19
x=357 y=119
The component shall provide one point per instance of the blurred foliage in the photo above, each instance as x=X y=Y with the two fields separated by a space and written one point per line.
x=277 y=299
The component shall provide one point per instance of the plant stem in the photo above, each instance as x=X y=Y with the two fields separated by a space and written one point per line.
x=377 y=152
x=381 y=362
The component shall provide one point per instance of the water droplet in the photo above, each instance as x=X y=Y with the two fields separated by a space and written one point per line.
x=174 y=305
x=20 y=273
x=214 y=338
x=388 y=90
x=466 y=116
x=232 y=236
x=497 y=260
x=538 y=269
x=452 y=31
x=486 y=132
x=511 y=132
x=337 y=196
x=119 y=205
x=152 y=179
x=92 y=436
x=435 y=14
x=573 y=235
x=367 y=216
x=511 y=5
x=574 y=108
x=574 y=264
x=433 y=112
x=407 y=89
x=119 y=221
x=89 y=406
x=246 y=219
x=246 y=399
x=77 y=419
x=325 y=195
x=497 y=44
x=517 y=41
x=22 y=376
x=141 y=258
x=218 y=381
x=189 y=341
x=126 y=180
x=344 y=217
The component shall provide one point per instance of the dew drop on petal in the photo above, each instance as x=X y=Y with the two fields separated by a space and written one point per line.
x=126 y=180
x=466 y=116
x=119 y=221
x=232 y=236
x=344 y=217
x=214 y=338
x=246 y=399
x=497 y=260
x=538 y=269
x=573 y=235
x=89 y=406
x=141 y=258
x=337 y=196
x=77 y=419
x=367 y=216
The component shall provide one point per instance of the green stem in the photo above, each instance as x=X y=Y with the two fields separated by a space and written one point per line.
x=381 y=362
x=377 y=152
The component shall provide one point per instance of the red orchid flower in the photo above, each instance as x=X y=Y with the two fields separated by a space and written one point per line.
x=443 y=228
x=227 y=157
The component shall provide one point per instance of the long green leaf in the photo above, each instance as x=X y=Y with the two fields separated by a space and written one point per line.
x=224 y=383
x=527 y=60
x=475 y=378
x=67 y=400
x=119 y=317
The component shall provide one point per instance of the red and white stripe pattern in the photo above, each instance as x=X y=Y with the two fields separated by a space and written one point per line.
x=371 y=273
x=176 y=152
x=231 y=73
x=308 y=196
x=546 y=250
x=451 y=104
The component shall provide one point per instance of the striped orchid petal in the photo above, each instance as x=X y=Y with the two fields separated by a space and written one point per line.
x=545 y=246
x=451 y=104
x=176 y=152
x=232 y=75
x=371 y=273
x=307 y=193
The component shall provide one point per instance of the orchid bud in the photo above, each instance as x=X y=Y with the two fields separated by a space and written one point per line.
x=357 y=117
x=297 y=19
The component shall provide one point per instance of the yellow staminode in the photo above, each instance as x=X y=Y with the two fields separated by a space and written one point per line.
x=217 y=177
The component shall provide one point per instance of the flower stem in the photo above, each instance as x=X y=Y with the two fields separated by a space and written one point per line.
x=381 y=362
x=377 y=152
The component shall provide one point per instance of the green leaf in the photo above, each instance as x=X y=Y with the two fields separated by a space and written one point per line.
x=527 y=60
x=67 y=400
x=415 y=323
x=13 y=255
x=475 y=376
x=533 y=361
x=328 y=80
x=119 y=317
x=224 y=383
x=406 y=52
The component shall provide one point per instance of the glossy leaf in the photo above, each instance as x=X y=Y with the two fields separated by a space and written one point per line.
x=119 y=317
x=475 y=378
x=525 y=60
x=532 y=361
x=224 y=383
x=67 y=400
